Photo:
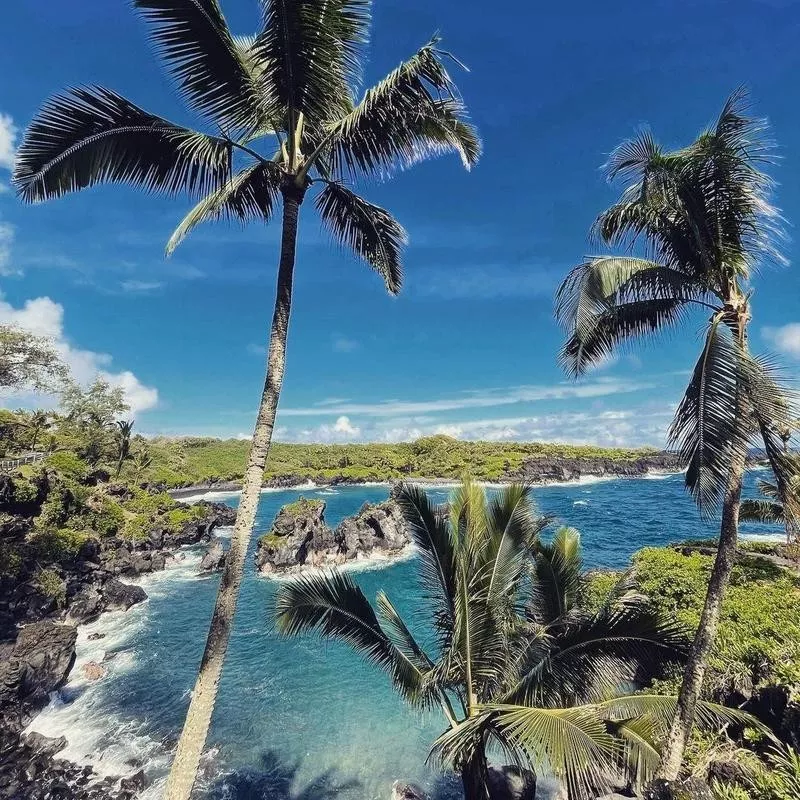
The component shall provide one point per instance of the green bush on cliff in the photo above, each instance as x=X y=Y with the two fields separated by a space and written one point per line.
x=758 y=643
x=137 y=528
x=49 y=583
x=144 y=502
x=178 y=517
x=56 y=545
x=68 y=463
x=10 y=559
x=106 y=517
x=25 y=491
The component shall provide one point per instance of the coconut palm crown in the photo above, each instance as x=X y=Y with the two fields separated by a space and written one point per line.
x=511 y=658
x=702 y=219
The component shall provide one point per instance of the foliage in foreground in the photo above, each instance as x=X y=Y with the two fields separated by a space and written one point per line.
x=513 y=660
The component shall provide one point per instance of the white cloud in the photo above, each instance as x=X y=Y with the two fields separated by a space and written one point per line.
x=6 y=241
x=483 y=398
x=44 y=317
x=341 y=344
x=140 y=286
x=256 y=349
x=344 y=426
x=8 y=138
x=785 y=338
x=611 y=428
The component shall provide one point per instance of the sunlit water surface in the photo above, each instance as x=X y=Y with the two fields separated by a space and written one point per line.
x=297 y=719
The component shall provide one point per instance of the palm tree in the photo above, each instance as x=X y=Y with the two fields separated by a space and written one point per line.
x=142 y=460
x=771 y=507
x=514 y=658
x=286 y=117
x=123 y=441
x=704 y=221
x=38 y=422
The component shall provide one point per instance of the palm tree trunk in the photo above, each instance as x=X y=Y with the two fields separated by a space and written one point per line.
x=475 y=776
x=672 y=756
x=198 y=719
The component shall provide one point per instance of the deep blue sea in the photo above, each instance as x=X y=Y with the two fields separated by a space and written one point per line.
x=297 y=719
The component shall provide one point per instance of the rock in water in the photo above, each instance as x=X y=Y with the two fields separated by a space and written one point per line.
x=511 y=783
x=300 y=537
x=118 y=595
x=44 y=652
x=92 y=671
x=407 y=791
x=214 y=558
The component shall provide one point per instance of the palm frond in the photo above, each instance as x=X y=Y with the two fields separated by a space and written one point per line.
x=763 y=511
x=93 y=135
x=251 y=194
x=572 y=744
x=590 y=657
x=412 y=114
x=205 y=59
x=711 y=423
x=330 y=604
x=557 y=576
x=314 y=50
x=368 y=230
x=430 y=533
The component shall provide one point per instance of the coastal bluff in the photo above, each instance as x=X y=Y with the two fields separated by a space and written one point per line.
x=300 y=538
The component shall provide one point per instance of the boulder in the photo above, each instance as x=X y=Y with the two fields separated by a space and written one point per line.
x=85 y=606
x=511 y=783
x=118 y=595
x=39 y=744
x=689 y=789
x=214 y=558
x=407 y=791
x=45 y=653
x=376 y=527
x=92 y=671
x=135 y=783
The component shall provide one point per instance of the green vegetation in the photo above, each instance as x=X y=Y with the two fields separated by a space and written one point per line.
x=515 y=660
x=50 y=585
x=180 y=462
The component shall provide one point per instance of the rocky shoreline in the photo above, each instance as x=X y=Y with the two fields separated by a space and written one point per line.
x=37 y=650
x=536 y=471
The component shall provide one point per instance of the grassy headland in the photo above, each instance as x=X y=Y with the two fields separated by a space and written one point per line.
x=185 y=461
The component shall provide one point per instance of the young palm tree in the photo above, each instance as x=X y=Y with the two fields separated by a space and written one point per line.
x=287 y=120
x=704 y=221
x=123 y=442
x=513 y=659
x=38 y=422
x=771 y=507
x=141 y=460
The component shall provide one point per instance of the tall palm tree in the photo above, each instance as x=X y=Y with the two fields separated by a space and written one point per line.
x=704 y=222
x=123 y=442
x=287 y=119
x=514 y=658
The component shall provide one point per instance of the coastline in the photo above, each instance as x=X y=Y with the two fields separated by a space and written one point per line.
x=206 y=491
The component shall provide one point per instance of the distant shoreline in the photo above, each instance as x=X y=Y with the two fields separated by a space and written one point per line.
x=202 y=489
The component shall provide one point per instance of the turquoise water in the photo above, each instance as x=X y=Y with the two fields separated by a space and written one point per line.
x=298 y=719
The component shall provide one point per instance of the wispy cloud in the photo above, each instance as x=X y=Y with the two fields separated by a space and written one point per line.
x=256 y=349
x=140 y=287
x=6 y=242
x=786 y=338
x=481 y=398
x=343 y=344
x=489 y=281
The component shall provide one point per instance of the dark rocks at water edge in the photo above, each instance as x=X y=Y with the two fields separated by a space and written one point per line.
x=213 y=559
x=301 y=539
x=557 y=469
x=37 y=651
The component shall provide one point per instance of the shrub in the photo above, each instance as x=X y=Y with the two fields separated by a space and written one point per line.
x=179 y=517
x=137 y=528
x=758 y=642
x=68 y=463
x=144 y=502
x=56 y=545
x=10 y=559
x=49 y=583
x=107 y=520
x=25 y=491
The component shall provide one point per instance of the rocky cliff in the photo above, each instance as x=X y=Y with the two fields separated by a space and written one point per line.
x=300 y=538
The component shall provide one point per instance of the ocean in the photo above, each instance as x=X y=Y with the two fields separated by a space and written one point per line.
x=297 y=719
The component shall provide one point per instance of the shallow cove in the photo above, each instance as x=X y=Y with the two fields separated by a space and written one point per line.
x=297 y=719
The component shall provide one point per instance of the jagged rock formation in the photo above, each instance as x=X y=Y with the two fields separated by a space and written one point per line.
x=301 y=539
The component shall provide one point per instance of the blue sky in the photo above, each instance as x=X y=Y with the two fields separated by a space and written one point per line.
x=470 y=346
